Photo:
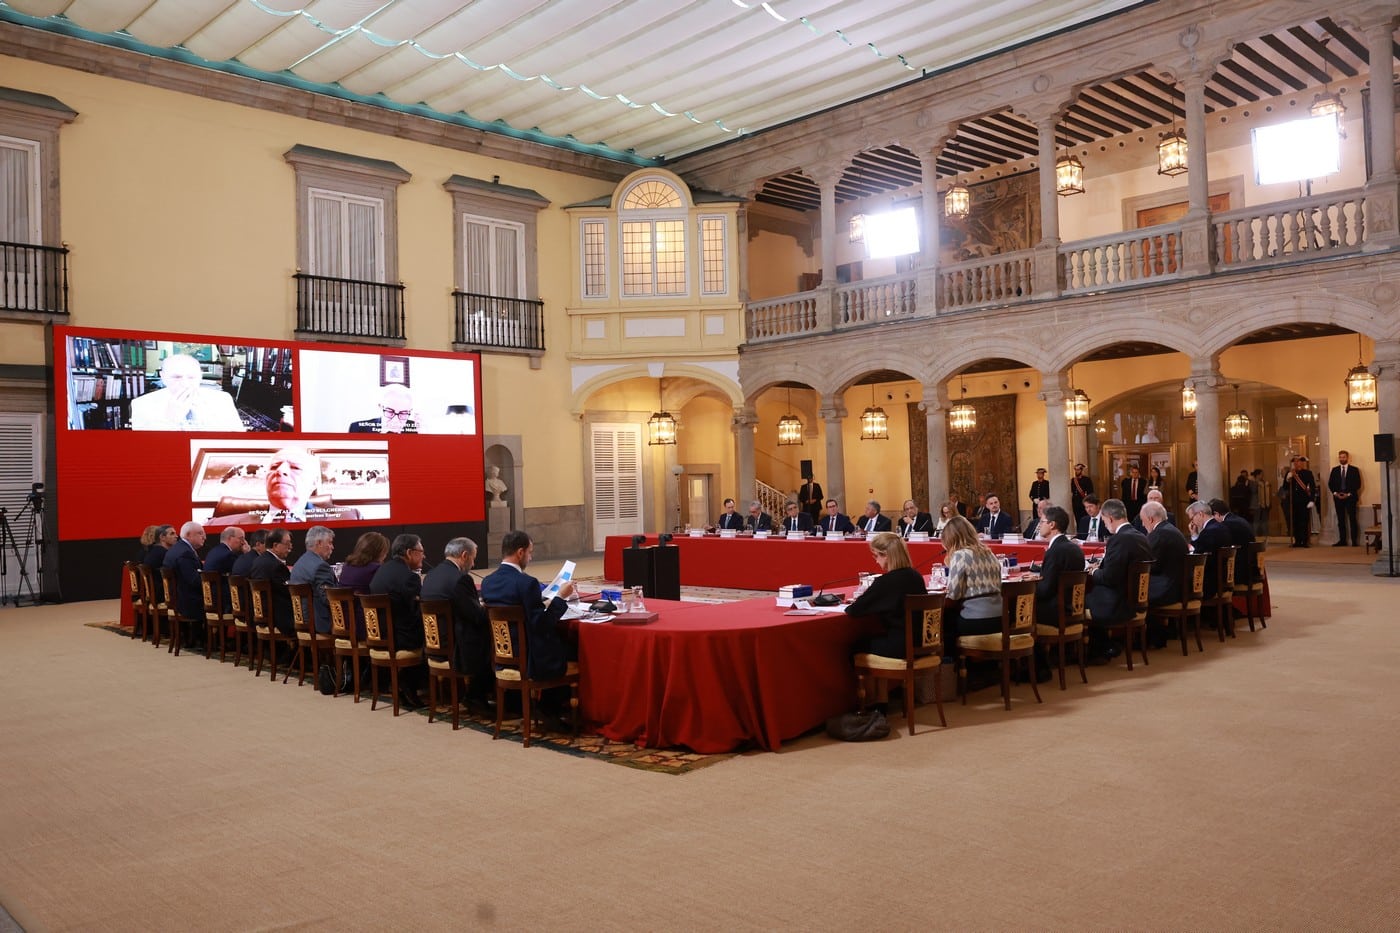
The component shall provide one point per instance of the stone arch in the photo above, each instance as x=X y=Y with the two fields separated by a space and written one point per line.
x=1128 y=330
x=985 y=347
x=723 y=387
x=1362 y=317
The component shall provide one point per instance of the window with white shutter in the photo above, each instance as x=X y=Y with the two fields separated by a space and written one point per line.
x=617 y=480
x=21 y=465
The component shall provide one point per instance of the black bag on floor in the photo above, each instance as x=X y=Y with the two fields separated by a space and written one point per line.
x=858 y=727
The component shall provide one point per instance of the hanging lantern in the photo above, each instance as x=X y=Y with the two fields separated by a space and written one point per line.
x=1237 y=425
x=1361 y=385
x=1307 y=412
x=857 y=231
x=1077 y=409
x=1100 y=426
x=962 y=417
x=1188 y=401
x=1171 y=153
x=789 y=427
x=1069 y=176
x=661 y=426
x=957 y=202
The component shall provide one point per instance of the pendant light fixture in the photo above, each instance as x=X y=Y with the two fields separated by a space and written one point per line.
x=1237 y=425
x=1188 y=401
x=1326 y=103
x=957 y=201
x=1361 y=385
x=789 y=426
x=1171 y=151
x=1069 y=176
x=1307 y=412
x=661 y=426
x=1077 y=405
x=962 y=417
x=874 y=423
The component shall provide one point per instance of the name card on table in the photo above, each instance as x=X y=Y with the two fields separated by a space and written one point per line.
x=918 y=536
x=696 y=532
x=1010 y=539
x=729 y=532
x=796 y=535
x=762 y=534
x=835 y=535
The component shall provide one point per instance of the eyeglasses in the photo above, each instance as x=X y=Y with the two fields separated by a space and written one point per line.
x=395 y=413
x=415 y=550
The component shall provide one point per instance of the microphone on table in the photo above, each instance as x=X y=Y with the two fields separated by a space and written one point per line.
x=831 y=599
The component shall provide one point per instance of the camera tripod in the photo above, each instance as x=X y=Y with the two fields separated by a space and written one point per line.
x=14 y=546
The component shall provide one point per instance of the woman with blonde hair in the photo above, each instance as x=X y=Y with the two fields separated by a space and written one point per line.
x=885 y=597
x=946 y=511
x=974 y=581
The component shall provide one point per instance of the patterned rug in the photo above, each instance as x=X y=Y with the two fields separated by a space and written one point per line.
x=659 y=760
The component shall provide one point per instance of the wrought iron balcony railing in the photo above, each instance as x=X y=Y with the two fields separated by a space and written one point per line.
x=33 y=278
x=507 y=323
x=349 y=307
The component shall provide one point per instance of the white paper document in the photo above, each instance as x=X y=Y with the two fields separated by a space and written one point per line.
x=565 y=574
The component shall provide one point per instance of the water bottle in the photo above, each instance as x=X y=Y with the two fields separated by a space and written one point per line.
x=938 y=579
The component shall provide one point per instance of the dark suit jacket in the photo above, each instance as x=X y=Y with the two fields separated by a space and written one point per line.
x=1353 y=480
x=1169 y=550
x=764 y=522
x=396 y=580
x=1240 y=530
x=268 y=567
x=221 y=560
x=811 y=497
x=243 y=563
x=1302 y=487
x=511 y=586
x=155 y=559
x=1212 y=536
x=922 y=522
x=470 y=627
x=842 y=523
x=1061 y=555
x=1131 y=502
x=804 y=522
x=994 y=526
x=1137 y=522
x=1108 y=599
x=730 y=520
x=1083 y=529
x=189 y=595
x=310 y=568
x=1040 y=489
x=880 y=522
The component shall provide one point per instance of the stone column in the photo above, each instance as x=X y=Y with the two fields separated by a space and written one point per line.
x=1382 y=198
x=833 y=413
x=935 y=408
x=1047 y=251
x=932 y=228
x=741 y=240
x=1207 y=382
x=826 y=178
x=1387 y=370
x=1195 y=226
x=672 y=497
x=1054 y=392
x=743 y=426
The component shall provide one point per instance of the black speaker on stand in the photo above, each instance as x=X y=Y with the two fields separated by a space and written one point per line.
x=1385 y=453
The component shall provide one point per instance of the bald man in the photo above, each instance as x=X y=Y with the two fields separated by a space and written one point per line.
x=396 y=413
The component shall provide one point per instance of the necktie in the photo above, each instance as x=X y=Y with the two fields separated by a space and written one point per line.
x=1094 y=528
x=832 y=524
x=793 y=524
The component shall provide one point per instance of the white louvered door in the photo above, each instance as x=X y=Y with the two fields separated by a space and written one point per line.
x=21 y=465
x=617 y=481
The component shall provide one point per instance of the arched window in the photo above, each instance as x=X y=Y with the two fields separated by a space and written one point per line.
x=653 y=221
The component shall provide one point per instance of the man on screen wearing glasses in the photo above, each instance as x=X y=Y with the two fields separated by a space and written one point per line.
x=396 y=413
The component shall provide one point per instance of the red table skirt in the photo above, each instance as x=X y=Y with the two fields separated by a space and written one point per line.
x=714 y=678
x=751 y=564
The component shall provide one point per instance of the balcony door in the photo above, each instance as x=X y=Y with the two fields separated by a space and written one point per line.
x=20 y=284
x=347 y=242
x=617 y=480
x=493 y=267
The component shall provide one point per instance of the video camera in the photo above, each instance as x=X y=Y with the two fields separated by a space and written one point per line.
x=35 y=499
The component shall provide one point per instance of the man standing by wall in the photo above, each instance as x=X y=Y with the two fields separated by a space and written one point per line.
x=1302 y=501
x=1345 y=485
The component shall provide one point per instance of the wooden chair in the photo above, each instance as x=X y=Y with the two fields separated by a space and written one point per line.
x=310 y=643
x=1069 y=628
x=1139 y=573
x=1372 y=535
x=140 y=610
x=1249 y=584
x=1187 y=608
x=345 y=636
x=1221 y=603
x=510 y=656
x=216 y=618
x=265 y=626
x=923 y=651
x=1015 y=640
x=440 y=646
x=172 y=610
x=240 y=606
x=154 y=597
x=379 y=639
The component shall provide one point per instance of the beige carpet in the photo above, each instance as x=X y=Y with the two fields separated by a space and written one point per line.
x=1249 y=788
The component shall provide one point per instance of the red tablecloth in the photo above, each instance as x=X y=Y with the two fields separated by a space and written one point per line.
x=716 y=677
x=752 y=564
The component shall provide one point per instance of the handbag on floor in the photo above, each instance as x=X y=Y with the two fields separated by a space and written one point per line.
x=858 y=727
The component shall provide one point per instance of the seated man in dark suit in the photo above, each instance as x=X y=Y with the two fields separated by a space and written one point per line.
x=1169 y=550
x=1034 y=527
x=549 y=650
x=833 y=520
x=1061 y=555
x=255 y=545
x=1210 y=535
x=912 y=520
x=293 y=473
x=452 y=580
x=183 y=558
x=994 y=522
x=729 y=519
x=872 y=521
x=794 y=519
x=1154 y=495
x=758 y=519
x=1240 y=530
x=222 y=556
x=271 y=565
x=1091 y=525
x=1109 y=599
x=398 y=579
x=313 y=568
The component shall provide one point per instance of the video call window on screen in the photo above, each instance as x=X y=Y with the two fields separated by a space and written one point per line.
x=255 y=482
x=385 y=393
x=165 y=385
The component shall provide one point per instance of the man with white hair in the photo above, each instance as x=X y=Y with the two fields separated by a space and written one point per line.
x=183 y=403
x=396 y=413
x=452 y=580
x=183 y=558
x=293 y=474
x=1154 y=495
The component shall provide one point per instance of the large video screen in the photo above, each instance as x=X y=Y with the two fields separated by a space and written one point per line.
x=164 y=428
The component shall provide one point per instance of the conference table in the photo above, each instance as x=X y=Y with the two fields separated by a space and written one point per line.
x=749 y=563
x=717 y=677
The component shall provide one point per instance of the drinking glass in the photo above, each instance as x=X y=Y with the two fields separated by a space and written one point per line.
x=637 y=604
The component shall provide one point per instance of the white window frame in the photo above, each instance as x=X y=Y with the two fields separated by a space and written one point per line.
x=723 y=252
x=350 y=176
x=313 y=234
x=33 y=189
x=652 y=218
x=605 y=267
x=492 y=224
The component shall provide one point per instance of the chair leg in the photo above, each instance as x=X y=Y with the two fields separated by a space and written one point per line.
x=860 y=692
x=1062 y=664
x=433 y=682
x=525 y=714
x=394 y=685
x=355 y=674
x=1080 y=651
x=1128 y=645
x=1035 y=685
x=1181 y=631
x=500 y=706
x=373 y=687
x=962 y=679
x=1196 y=627
x=573 y=708
x=1006 y=681
x=175 y=635
x=456 y=704
x=938 y=694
